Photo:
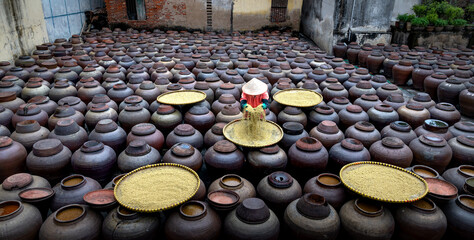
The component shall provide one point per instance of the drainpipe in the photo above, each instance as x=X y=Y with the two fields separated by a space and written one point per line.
x=350 y=25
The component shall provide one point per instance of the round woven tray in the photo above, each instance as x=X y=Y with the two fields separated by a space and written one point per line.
x=298 y=97
x=156 y=187
x=233 y=132
x=381 y=180
x=182 y=97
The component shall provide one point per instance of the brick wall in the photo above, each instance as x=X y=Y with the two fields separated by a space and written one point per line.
x=159 y=13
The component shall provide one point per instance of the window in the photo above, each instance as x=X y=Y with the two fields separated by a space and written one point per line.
x=278 y=12
x=136 y=9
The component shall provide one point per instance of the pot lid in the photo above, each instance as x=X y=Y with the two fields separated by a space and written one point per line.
x=335 y=87
x=328 y=127
x=165 y=109
x=354 y=108
x=446 y=106
x=292 y=110
x=415 y=106
x=71 y=101
x=352 y=144
x=143 y=129
x=183 y=149
x=293 y=128
x=400 y=126
x=199 y=110
x=28 y=109
x=224 y=146
x=99 y=107
x=383 y=107
x=465 y=126
x=270 y=149
x=17 y=181
x=370 y=97
x=7 y=96
x=92 y=146
x=364 y=126
x=227 y=98
x=47 y=147
x=105 y=126
x=432 y=139
x=253 y=211
x=308 y=144
x=422 y=97
x=390 y=87
x=64 y=111
x=100 y=98
x=363 y=84
x=313 y=206
x=137 y=147
x=280 y=179
x=340 y=100
x=466 y=140
x=184 y=130
x=230 y=110
x=27 y=126
x=392 y=142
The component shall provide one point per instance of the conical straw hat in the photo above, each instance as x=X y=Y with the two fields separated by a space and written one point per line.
x=255 y=87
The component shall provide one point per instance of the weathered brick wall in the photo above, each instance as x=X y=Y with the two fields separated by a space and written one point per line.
x=167 y=13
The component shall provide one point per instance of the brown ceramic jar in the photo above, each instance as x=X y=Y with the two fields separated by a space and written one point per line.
x=327 y=133
x=224 y=157
x=9 y=100
x=462 y=128
x=133 y=115
x=351 y=115
x=375 y=62
x=166 y=118
x=419 y=75
x=109 y=133
x=463 y=150
x=445 y=112
x=264 y=161
x=386 y=90
x=44 y=103
x=382 y=115
x=200 y=118
x=339 y=103
x=94 y=160
x=73 y=102
x=349 y=150
x=69 y=133
x=292 y=131
x=423 y=99
x=322 y=113
x=414 y=114
x=12 y=157
x=98 y=112
x=148 y=133
x=307 y=156
x=102 y=98
x=13 y=218
x=185 y=133
x=30 y=111
x=65 y=112
x=292 y=114
x=329 y=186
x=402 y=72
x=431 y=84
x=449 y=90
x=214 y=134
x=334 y=90
x=28 y=132
x=278 y=190
x=367 y=101
x=235 y=183
x=431 y=150
x=89 y=90
x=228 y=114
x=129 y=224
x=434 y=126
x=137 y=154
x=466 y=102
x=184 y=154
x=391 y=150
x=49 y=159
x=363 y=131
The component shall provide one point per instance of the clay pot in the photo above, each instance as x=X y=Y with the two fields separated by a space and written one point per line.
x=9 y=101
x=365 y=219
x=33 y=89
x=363 y=131
x=423 y=99
x=44 y=103
x=185 y=133
x=129 y=101
x=445 y=112
x=200 y=118
x=122 y=223
x=133 y=115
x=264 y=161
x=348 y=151
x=252 y=220
x=462 y=128
x=449 y=90
x=5 y=117
x=228 y=114
x=12 y=157
x=367 y=101
x=184 y=154
x=386 y=90
x=16 y=183
x=431 y=84
x=166 y=118
x=224 y=157
x=329 y=186
x=87 y=92
x=278 y=190
x=378 y=81
x=65 y=112
x=292 y=132
x=334 y=90
x=327 y=133
x=420 y=219
x=28 y=132
x=311 y=217
x=363 y=55
x=431 y=150
x=307 y=156
x=137 y=154
x=73 y=102
x=361 y=88
x=382 y=115
x=98 y=112
x=339 y=50
x=30 y=111
x=322 y=113
x=193 y=218
x=49 y=159
x=466 y=101
x=458 y=175
x=148 y=133
x=94 y=160
x=434 y=126
x=13 y=218
x=110 y=134
x=419 y=74
x=292 y=114
x=351 y=115
x=463 y=149
x=72 y=221
x=119 y=92
x=231 y=182
x=353 y=53
x=414 y=114
x=391 y=150
x=399 y=129
x=458 y=213
x=338 y=104
x=71 y=190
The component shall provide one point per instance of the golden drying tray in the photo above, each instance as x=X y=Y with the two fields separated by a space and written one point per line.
x=383 y=182
x=156 y=187
x=181 y=97
x=298 y=97
x=238 y=133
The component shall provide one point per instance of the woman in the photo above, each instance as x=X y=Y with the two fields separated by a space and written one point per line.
x=254 y=94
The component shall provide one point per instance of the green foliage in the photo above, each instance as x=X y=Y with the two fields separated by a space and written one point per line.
x=432 y=18
x=420 y=22
x=458 y=22
x=470 y=13
x=440 y=23
x=454 y=13
x=410 y=17
x=420 y=10
x=402 y=17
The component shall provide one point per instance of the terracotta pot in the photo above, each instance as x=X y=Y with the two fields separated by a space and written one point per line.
x=264 y=161
x=87 y=223
x=122 y=223
x=71 y=190
x=399 y=129
x=466 y=101
x=363 y=131
x=365 y=219
x=445 y=112
x=347 y=151
x=9 y=101
x=44 y=103
x=458 y=175
x=391 y=150
x=252 y=220
x=351 y=115
x=322 y=113
x=14 y=215
x=434 y=126
x=423 y=216
x=414 y=114
x=363 y=55
x=5 y=117
x=30 y=111
x=110 y=134
x=185 y=133
x=33 y=89
x=386 y=90
x=367 y=101
x=200 y=118
x=292 y=132
x=166 y=118
x=148 y=133
x=352 y=53
x=329 y=186
x=334 y=90
x=133 y=115
x=94 y=160
x=74 y=102
x=98 y=112
x=292 y=114
x=311 y=217
x=449 y=90
x=12 y=157
x=228 y=114
x=462 y=128
x=431 y=150
x=65 y=112
x=307 y=156
x=419 y=74
x=458 y=213
x=16 y=183
x=49 y=159
x=28 y=132
x=129 y=101
x=194 y=218
x=327 y=133
x=278 y=190
x=462 y=147
x=184 y=154
x=338 y=104
x=423 y=99
x=378 y=81
x=137 y=154
x=431 y=84
x=224 y=157
x=231 y=182
x=382 y=115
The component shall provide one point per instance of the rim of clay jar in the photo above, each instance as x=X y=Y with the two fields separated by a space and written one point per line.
x=320 y=180
x=125 y=213
x=75 y=176
x=362 y=205
x=193 y=210
x=466 y=202
x=233 y=196
x=280 y=180
x=36 y=198
x=309 y=205
x=73 y=218
x=401 y=126
x=17 y=205
x=435 y=174
x=27 y=126
x=420 y=205
x=465 y=170
x=226 y=179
